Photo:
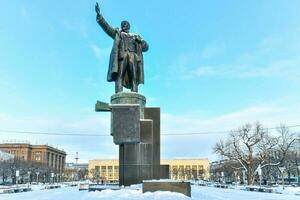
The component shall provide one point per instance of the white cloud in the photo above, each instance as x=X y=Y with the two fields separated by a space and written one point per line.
x=275 y=56
x=101 y=54
x=270 y=114
x=94 y=124
x=285 y=68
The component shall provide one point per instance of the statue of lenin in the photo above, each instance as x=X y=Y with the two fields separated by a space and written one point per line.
x=126 y=65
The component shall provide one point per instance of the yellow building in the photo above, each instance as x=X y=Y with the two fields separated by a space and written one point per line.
x=180 y=169
x=104 y=169
x=188 y=169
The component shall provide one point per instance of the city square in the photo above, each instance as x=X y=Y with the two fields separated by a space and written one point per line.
x=150 y=100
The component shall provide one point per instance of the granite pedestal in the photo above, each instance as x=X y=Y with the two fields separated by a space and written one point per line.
x=172 y=186
x=136 y=129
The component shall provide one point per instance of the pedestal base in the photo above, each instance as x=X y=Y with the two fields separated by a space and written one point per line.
x=129 y=98
x=172 y=186
x=138 y=138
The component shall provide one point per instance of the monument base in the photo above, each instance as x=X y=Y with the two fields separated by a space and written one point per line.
x=129 y=98
x=136 y=129
x=180 y=187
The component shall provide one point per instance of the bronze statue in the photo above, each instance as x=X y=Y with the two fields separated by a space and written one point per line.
x=126 y=65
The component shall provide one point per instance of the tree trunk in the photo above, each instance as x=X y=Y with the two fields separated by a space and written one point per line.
x=249 y=178
x=250 y=168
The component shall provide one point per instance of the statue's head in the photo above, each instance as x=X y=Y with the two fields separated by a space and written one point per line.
x=125 y=26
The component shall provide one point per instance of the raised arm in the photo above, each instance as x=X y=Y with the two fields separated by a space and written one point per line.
x=104 y=25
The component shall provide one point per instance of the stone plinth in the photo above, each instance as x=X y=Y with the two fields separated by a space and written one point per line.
x=136 y=129
x=129 y=98
x=125 y=126
x=135 y=163
x=180 y=187
x=164 y=171
x=153 y=113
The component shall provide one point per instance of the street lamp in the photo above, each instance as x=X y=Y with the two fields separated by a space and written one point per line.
x=52 y=176
x=37 y=177
x=28 y=176
x=235 y=178
x=17 y=176
x=222 y=175
x=56 y=180
x=281 y=169
x=244 y=177
x=63 y=177
x=259 y=171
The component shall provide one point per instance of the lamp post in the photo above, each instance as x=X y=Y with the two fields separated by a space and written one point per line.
x=244 y=176
x=222 y=175
x=61 y=177
x=235 y=178
x=37 y=177
x=52 y=177
x=29 y=177
x=56 y=179
x=282 y=173
x=259 y=171
x=17 y=176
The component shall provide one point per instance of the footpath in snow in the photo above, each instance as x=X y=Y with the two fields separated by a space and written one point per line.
x=198 y=192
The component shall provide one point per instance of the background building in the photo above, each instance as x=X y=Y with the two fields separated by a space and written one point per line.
x=188 y=169
x=180 y=169
x=5 y=156
x=50 y=156
x=104 y=169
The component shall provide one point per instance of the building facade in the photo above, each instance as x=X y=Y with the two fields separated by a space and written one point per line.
x=180 y=169
x=4 y=156
x=104 y=169
x=188 y=169
x=50 y=156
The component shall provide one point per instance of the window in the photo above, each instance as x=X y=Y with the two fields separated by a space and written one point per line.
x=37 y=155
x=103 y=171
x=110 y=172
x=116 y=172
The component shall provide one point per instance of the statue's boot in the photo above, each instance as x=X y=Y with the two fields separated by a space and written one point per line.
x=134 y=87
x=118 y=86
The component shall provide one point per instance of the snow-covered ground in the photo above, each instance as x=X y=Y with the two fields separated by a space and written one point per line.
x=198 y=192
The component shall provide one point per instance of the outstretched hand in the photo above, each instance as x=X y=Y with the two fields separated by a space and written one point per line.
x=97 y=8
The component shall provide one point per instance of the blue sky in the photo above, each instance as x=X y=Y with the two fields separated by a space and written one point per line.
x=212 y=65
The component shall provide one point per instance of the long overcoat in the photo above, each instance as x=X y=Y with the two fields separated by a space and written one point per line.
x=118 y=52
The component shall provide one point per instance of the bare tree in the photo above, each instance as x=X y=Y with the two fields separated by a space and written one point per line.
x=253 y=147
x=240 y=146
x=95 y=175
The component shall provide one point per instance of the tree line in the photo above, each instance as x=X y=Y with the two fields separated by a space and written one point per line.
x=29 y=171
